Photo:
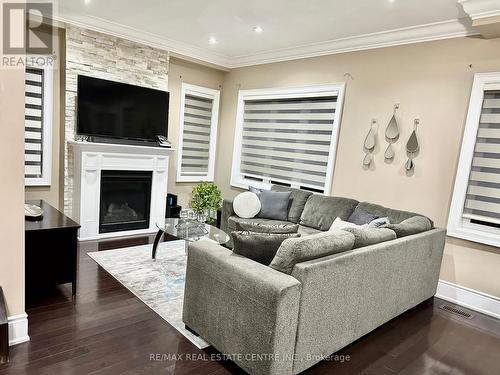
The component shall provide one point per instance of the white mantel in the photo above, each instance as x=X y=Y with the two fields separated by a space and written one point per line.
x=91 y=158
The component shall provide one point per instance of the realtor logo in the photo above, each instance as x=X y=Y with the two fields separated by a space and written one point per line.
x=27 y=28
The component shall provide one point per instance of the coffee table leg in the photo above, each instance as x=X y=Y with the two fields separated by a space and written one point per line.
x=155 y=244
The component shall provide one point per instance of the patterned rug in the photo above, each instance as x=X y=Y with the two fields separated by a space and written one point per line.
x=159 y=284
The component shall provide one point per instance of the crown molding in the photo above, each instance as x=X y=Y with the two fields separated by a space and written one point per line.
x=477 y=9
x=139 y=36
x=408 y=35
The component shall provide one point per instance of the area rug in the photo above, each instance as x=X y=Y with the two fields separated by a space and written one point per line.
x=159 y=284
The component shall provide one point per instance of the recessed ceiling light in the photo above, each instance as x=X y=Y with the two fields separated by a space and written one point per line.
x=258 y=29
x=212 y=40
x=87 y=2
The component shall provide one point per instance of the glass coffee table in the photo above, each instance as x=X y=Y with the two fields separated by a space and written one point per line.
x=189 y=231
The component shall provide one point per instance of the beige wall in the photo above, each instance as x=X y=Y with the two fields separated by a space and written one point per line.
x=431 y=81
x=51 y=194
x=182 y=71
x=11 y=187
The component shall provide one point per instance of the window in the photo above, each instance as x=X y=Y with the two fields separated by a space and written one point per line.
x=287 y=136
x=198 y=133
x=37 y=126
x=475 y=207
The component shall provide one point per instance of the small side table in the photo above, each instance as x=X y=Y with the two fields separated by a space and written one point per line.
x=51 y=250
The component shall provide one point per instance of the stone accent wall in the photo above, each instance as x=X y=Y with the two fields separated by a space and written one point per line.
x=99 y=55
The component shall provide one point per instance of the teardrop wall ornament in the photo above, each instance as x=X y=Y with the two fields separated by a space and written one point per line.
x=389 y=152
x=370 y=143
x=391 y=135
x=367 y=159
x=412 y=145
x=409 y=165
x=370 y=140
x=392 y=130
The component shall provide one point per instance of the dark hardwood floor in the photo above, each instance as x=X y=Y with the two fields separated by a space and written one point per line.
x=107 y=330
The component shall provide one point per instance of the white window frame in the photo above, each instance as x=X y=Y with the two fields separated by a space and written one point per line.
x=237 y=180
x=457 y=225
x=214 y=95
x=48 y=109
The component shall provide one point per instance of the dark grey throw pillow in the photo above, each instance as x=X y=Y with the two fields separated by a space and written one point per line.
x=258 y=227
x=260 y=247
x=361 y=217
x=274 y=205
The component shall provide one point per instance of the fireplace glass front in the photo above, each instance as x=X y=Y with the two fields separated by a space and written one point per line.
x=125 y=200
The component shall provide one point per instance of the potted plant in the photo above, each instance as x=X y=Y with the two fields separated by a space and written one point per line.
x=206 y=198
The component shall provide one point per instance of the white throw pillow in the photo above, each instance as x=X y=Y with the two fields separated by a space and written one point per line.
x=338 y=223
x=246 y=205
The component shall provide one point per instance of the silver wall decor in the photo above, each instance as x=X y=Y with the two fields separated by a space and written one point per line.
x=412 y=146
x=391 y=134
x=370 y=143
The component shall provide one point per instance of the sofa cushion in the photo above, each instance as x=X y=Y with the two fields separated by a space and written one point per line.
x=320 y=211
x=413 y=225
x=306 y=231
x=299 y=199
x=297 y=250
x=395 y=216
x=370 y=236
x=260 y=247
x=361 y=217
x=274 y=205
x=266 y=227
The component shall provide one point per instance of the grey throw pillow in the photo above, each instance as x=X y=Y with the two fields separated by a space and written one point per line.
x=297 y=250
x=260 y=247
x=370 y=236
x=274 y=205
x=413 y=225
x=298 y=201
x=361 y=217
x=258 y=227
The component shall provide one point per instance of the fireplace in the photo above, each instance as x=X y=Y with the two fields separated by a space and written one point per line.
x=125 y=200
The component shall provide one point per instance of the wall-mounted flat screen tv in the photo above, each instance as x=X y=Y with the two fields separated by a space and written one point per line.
x=117 y=110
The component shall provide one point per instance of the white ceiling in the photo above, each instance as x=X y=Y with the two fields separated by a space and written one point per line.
x=292 y=28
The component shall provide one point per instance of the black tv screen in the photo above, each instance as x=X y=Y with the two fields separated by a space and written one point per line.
x=119 y=110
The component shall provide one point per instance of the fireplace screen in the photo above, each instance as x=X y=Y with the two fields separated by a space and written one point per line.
x=125 y=200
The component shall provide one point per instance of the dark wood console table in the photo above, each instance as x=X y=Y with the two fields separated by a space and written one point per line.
x=51 y=250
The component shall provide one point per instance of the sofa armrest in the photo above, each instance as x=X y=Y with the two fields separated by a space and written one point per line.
x=227 y=212
x=242 y=308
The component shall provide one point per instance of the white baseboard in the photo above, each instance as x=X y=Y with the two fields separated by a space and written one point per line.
x=18 y=329
x=472 y=299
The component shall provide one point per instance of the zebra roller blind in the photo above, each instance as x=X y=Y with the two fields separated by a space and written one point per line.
x=287 y=140
x=198 y=134
x=482 y=201
x=33 y=128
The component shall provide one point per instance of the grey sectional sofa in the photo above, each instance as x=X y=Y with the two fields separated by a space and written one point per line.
x=272 y=322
